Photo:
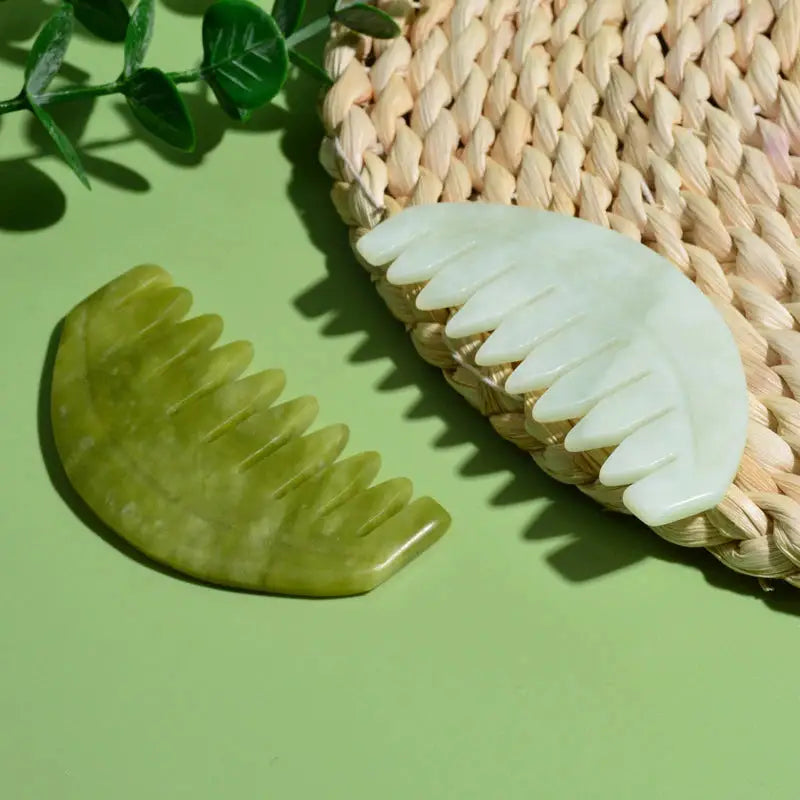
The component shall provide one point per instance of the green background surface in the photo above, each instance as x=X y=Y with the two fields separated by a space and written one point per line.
x=542 y=649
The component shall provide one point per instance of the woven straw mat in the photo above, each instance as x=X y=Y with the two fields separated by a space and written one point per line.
x=675 y=123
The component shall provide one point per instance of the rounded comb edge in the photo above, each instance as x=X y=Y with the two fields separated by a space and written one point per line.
x=176 y=494
x=620 y=290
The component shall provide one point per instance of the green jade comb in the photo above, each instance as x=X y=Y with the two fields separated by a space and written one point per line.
x=199 y=469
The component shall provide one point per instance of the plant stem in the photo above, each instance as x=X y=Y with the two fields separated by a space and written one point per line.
x=20 y=102
x=88 y=147
x=187 y=76
x=312 y=29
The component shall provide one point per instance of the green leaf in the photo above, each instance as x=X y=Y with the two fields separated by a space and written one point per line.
x=138 y=35
x=63 y=144
x=106 y=19
x=232 y=110
x=244 y=54
x=48 y=50
x=287 y=14
x=367 y=20
x=156 y=102
x=310 y=67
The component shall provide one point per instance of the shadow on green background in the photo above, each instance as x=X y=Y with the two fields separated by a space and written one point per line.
x=36 y=201
x=347 y=300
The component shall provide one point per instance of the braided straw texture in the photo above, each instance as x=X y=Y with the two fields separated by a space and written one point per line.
x=675 y=123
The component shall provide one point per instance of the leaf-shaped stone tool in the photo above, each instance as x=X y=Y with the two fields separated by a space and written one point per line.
x=606 y=330
x=200 y=469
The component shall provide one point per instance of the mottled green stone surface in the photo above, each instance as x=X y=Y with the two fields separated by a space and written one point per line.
x=199 y=467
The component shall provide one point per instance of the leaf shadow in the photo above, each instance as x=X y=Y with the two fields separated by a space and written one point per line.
x=114 y=174
x=346 y=303
x=191 y=8
x=39 y=201
x=21 y=20
x=31 y=200
x=73 y=119
x=14 y=54
x=211 y=125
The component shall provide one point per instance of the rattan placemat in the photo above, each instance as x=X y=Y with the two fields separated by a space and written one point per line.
x=676 y=123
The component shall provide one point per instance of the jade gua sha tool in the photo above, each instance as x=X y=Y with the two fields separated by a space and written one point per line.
x=600 y=329
x=200 y=469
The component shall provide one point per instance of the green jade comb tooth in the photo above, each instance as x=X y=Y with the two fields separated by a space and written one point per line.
x=201 y=470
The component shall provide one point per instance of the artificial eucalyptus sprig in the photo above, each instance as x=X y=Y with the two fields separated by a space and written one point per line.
x=246 y=56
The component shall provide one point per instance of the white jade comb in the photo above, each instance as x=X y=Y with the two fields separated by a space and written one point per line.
x=618 y=337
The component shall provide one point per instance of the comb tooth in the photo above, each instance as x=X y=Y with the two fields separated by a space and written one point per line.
x=423 y=259
x=577 y=391
x=297 y=461
x=565 y=351
x=572 y=393
x=332 y=567
x=666 y=495
x=389 y=239
x=401 y=538
x=522 y=331
x=328 y=490
x=245 y=485
x=157 y=353
x=145 y=276
x=196 y=375
x=365 y=511
x=115 y=327
x=142 y=312
x=219 y=411
x=644 y=451
x=262 y=433
x=544 y=246
x=492 y=303
x=620 y=413
x=271 y=429
x=463 y=273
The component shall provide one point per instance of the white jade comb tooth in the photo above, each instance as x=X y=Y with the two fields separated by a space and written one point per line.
x=525 y=329
x=612 y=333
x=620 y=413
x=573 y=347
x=424 y=259
x=496 y=300
x=408 y=229
x=587 y=383
x=653 y=445
x=459 y=278
x=573 y=393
